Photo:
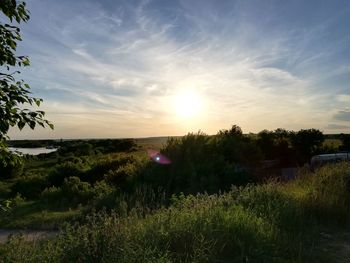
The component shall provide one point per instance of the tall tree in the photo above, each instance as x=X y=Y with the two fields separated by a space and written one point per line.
x=15 y=93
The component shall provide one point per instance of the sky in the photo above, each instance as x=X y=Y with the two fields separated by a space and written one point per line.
x=116 y=69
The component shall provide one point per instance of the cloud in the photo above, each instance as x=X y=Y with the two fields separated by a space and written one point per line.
x=334 y=126
x=343 y=98
x=120 y=64
x=342 y=115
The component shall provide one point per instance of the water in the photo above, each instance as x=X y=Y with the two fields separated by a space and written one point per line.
x=32 y=151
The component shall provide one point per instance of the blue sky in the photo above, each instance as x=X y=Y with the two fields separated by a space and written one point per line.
x=115 y=68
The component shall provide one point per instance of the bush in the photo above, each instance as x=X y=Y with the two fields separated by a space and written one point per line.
x=199 y=163
x=119 y=175
x=65 y=170
x=52 y=195
x=11 y=169
x=71 y=193
x=30 y=186
x=73 y=188
x=104 y=166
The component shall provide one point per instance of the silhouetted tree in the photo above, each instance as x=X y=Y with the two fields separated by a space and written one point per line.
x=266 y=142
x=345 y=138
x=282 y=134
x=306 y=143
x=235 y=131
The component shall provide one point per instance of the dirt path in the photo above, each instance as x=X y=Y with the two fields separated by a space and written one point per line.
x=337 y=246
x=30 y=235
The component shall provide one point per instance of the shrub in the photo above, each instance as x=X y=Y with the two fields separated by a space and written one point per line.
x=30 y=186
x=11 y=169
x=51 y=195
x=104 y=166
x=119 y=175
x=199 y=163
x=64 y=170
x=71 y=193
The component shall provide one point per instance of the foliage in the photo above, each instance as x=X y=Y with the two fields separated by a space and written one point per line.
x=267 y=223
x=13 y=168
x=307 y=143
x=14 y=94
x=345 y=138
x=237 y=148
x=88 y=147
x=118 y=176
x=67 y=169
x=108 y=165
x=72 y=192
x=204 y=163
x=30 y=186
x=266 y=142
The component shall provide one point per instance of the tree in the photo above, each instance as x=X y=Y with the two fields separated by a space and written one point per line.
x=15 y=94
x=266 y=142
x=345 y=139
x=235 y=131
x=306 y=143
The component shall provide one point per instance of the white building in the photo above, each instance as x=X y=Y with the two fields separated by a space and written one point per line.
x=321 y=159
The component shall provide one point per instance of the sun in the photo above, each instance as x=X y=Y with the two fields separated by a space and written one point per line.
x=187 y=104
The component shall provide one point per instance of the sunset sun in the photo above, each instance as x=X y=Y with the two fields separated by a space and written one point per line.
x=187 y=104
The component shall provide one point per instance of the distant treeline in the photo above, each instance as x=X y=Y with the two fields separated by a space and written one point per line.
x=199 y=162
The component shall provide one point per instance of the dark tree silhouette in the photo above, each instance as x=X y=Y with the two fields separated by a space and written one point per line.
x=345 y=138
x=306 y=143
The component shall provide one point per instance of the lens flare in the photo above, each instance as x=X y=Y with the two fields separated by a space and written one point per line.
x=157 y=157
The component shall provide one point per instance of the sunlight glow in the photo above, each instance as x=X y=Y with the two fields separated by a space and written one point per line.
x=187 y=104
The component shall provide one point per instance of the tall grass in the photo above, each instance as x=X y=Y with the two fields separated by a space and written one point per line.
x=273 y=222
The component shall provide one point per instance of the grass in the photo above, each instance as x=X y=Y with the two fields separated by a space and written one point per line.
x=33 y=215
x=155 y=143
x=332 y=143
x=274 y=222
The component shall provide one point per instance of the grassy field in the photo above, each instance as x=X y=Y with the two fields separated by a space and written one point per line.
x=273 y=222
x=332 y=143
x=155 y=143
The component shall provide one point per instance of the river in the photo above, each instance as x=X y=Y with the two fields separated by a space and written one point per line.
x=32 y=151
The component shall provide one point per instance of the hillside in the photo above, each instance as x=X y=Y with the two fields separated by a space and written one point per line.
x=273 y=222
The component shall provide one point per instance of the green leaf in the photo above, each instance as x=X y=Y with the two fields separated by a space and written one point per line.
x=25 y=62
x=32 y=124
x=20 y=125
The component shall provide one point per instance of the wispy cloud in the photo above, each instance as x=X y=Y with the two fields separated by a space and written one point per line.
x=110 y=68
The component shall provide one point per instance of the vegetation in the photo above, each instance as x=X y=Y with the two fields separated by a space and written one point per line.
x=217 y=198
x=14 y=93
x=85 y=175
x=215 y=202
x=273 y=222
